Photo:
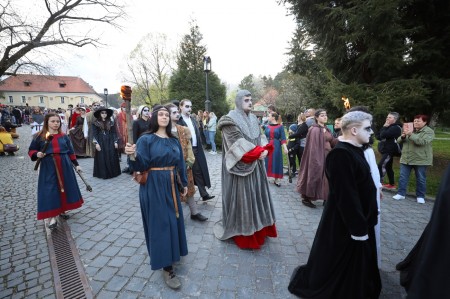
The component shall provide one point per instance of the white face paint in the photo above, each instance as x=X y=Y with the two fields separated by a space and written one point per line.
x=247 y=104
x=174 y=114
x=363 y=132
x=186 y=108
x=146 y=111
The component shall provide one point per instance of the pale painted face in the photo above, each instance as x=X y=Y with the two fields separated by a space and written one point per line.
x=163 y=118
x=145 y=111
x=186 y=108
x=247 y=104
x=363 y=132
x=54 y=123
x=174 y=114
x=103 y=114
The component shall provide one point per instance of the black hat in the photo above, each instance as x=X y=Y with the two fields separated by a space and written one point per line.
x=108 y=111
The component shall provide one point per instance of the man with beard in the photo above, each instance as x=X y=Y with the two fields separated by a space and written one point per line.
x=247 y=210
x=200 y=167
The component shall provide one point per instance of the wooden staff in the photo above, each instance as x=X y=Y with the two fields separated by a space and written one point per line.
x=125 y=94
x=48 y=138
x=88 y=187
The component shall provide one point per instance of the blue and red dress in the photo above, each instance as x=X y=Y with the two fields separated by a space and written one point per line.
x=58 y=189
x=274 y=160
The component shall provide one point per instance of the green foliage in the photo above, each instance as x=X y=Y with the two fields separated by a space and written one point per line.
x=188 y=81
x=387 y=55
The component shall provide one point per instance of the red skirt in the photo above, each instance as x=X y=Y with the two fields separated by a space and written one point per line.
x=257 y=239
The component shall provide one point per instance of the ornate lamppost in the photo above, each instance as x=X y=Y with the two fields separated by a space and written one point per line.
x=105 y=91
x=207 y=69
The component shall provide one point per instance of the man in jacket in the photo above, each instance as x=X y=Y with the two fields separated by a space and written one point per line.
x=388 y=147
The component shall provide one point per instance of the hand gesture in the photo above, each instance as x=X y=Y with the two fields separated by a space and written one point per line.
x=97 y=147
x=40 y=154
x=78 y=168
x=185 y=191
x=263 y=155
x=130 y=149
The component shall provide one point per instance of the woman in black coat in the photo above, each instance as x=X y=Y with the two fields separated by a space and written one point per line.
x=106 y=160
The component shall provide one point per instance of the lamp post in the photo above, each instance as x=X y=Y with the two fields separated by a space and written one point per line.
x=105 y=91
x=207 y=69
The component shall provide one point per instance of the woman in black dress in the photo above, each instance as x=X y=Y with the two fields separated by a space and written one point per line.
x=106 y=160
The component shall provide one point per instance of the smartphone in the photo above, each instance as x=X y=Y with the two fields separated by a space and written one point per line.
x=408 y=127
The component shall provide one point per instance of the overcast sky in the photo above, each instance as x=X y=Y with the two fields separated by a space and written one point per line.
x=242 y=37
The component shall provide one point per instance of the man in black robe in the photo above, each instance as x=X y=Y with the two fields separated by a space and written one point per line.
x=343 y=258
x=200 y=167
x=425 y=272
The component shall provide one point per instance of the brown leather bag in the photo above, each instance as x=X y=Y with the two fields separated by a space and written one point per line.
x=140 y=177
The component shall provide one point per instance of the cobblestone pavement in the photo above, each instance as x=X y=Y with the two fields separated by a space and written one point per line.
x=109 y=236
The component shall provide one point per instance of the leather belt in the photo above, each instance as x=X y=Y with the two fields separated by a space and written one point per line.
x=172 y=180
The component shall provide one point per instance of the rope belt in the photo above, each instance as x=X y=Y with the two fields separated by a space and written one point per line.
x=172 y=179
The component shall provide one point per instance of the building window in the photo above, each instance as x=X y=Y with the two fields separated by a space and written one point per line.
x=24 y=100
x=82 y=100
x=62 y=100
x=41 y=100
x=62 y=84
x=11 y=100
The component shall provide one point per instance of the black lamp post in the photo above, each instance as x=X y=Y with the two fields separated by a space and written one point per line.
x=207 y=69
x=105 y=91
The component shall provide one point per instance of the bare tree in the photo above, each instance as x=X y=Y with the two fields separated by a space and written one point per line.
x=150 y=65
x=21 y=36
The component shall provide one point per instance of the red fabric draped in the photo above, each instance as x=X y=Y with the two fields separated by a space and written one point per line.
x=254 y=154
x=256 y=240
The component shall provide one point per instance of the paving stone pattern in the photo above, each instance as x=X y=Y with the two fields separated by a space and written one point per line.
x=109 y=235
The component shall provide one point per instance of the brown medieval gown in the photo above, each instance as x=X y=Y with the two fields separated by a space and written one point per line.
x=312 y=183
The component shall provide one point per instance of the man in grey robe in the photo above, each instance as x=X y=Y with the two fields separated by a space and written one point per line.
x=247 y=209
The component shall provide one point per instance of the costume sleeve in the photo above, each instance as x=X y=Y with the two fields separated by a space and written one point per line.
x=283 y=135
x=94 y=133
x=340 y=167
x=182 y=166
x=34 y=148
x=114 y=133
x=135 y=130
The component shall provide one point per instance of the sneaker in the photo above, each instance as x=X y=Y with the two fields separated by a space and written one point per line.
x=420 y=200
x=398 y=197
x=171 y=280
x=213 y=153
x=388 y=186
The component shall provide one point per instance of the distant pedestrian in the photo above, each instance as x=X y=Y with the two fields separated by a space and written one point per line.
x=276 y=136
x=160 y=153
x=57 y=190
x=312 y=183
x=106 y=160
x=388 y=148
x=76 y=133
x=212 y=127
x=417 y=154
x=343 y=260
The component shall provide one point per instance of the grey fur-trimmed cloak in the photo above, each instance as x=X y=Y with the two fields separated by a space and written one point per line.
x=246 y=201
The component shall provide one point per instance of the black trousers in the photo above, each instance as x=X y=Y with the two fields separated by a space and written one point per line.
x=385 y=167
x=198 y=175
x=296 y=152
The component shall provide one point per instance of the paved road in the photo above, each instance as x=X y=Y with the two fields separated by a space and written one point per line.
x=110 y=239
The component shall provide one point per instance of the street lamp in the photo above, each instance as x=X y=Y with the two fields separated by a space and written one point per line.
x=207 y=69
x=105 y=91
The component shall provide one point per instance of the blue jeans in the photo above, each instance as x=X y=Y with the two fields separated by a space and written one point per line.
x=421 y=179
x=212 y=135
x=206 y=133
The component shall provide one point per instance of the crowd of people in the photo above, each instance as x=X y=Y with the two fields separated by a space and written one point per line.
x=335 y=165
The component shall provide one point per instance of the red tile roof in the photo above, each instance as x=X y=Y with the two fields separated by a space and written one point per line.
x=43 y=83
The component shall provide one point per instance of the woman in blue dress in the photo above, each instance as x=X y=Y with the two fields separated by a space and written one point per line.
x=58 y=189
x=276 y=136
x=159 y=153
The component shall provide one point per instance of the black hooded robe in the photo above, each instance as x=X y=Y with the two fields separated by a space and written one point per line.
x=425 y=272
x=338 y=266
